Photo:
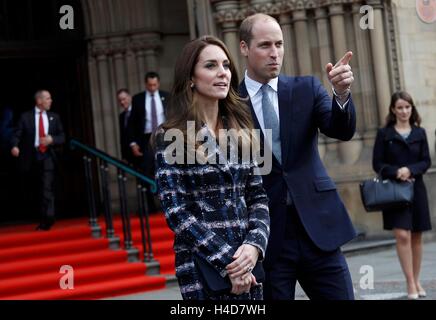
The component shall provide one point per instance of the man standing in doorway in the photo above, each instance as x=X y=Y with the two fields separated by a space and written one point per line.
x=309 y=222
x=148 y=112
x=125 y=101
x=38 y=132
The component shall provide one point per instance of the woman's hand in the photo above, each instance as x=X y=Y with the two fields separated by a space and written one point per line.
x=403 y=174
x=241 y=285
x=245 y=259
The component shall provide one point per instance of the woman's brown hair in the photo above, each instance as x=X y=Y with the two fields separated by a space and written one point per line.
x=182 y=107
x=391 y=119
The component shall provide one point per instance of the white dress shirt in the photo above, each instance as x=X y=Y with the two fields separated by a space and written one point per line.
x=159 y=110
x=44 y=120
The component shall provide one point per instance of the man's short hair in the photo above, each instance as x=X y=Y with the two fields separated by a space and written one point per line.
x=38 y=94
x=123 y=90
x=245 y=30
x=151 y=75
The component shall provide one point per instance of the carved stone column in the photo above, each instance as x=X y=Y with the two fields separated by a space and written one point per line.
x=100 y=51
x=151 y=60
x=322 y=26
x=118 y=49
x=145 y=47
x=285 y=21
x=138 y=47
x=365 y=76
x=133 y=72
x=95 y=99
x=226 y=16
x=302 y=36
x=348 y=152
x=380 y=61
x=336 y=13
x=201 y=18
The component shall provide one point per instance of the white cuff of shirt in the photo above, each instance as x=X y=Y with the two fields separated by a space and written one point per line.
x=344 y=105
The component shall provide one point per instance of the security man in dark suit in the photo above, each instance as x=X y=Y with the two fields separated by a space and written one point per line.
x=37 y=134
x=148 y=112
x=125 y=101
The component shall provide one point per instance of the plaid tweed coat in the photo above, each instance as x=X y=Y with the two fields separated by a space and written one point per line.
x=212 y=209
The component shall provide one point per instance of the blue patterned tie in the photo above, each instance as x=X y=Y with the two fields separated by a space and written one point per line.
x=271 y=122
x=126 y=118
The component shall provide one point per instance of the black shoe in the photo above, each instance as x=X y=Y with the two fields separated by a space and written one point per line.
x=43 y=227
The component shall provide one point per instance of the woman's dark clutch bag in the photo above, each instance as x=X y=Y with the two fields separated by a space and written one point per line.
x=212 y=281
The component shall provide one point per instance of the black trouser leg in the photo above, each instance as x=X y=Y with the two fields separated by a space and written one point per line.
x=46 y=194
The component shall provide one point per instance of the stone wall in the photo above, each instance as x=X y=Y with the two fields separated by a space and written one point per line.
x=415 y=48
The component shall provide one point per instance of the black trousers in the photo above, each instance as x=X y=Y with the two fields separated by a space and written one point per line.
x=323 y=275
x=39 y=188
x=147 y=166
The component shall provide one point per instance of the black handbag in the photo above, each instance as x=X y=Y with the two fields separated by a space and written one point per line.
x=378 y=194
x=214 y=284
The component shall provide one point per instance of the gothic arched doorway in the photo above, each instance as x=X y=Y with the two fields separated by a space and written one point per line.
x=36 y=53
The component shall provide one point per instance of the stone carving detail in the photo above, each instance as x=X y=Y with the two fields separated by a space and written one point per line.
x=119 y=45
x=232 y=14
x=393 y=46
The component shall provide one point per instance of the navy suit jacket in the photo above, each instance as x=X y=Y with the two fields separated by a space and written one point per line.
x=136 y=124
x=305 y=108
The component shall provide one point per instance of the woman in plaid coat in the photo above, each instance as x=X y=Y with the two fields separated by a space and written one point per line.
x=216 y=204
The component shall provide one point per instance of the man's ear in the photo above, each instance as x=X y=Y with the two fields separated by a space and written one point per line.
x=244 y=48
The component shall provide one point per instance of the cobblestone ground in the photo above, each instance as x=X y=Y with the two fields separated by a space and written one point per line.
x=389 y=282
x=388 y=279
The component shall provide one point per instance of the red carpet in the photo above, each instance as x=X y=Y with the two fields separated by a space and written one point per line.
x=30 y=261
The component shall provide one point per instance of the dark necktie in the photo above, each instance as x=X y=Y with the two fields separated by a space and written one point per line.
x=42 y=148
x=126 y=118
x=153 y=114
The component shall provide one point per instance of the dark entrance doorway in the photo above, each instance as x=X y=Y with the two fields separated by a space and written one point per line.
x=35 y=53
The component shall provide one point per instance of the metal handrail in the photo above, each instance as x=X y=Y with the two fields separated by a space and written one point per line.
x=115 y=162
x=142 y=182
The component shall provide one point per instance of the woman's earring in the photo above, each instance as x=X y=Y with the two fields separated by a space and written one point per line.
x=192 y=85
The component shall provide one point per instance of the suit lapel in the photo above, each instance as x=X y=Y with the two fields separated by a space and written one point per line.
x=246 y=98
x=51 y=123
x=31 y=123
x=163 y=99
x=285 y=86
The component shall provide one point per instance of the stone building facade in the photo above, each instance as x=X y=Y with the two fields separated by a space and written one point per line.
x=126 y=38
x=398 y=53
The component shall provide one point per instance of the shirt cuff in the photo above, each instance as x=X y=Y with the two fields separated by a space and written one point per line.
x=343 y=106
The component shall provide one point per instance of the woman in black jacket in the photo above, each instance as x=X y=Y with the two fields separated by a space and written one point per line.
x=401 y=152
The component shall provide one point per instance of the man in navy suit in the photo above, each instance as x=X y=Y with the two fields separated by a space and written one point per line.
x=148 y=112
x=38 y=132
x=309 y=222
